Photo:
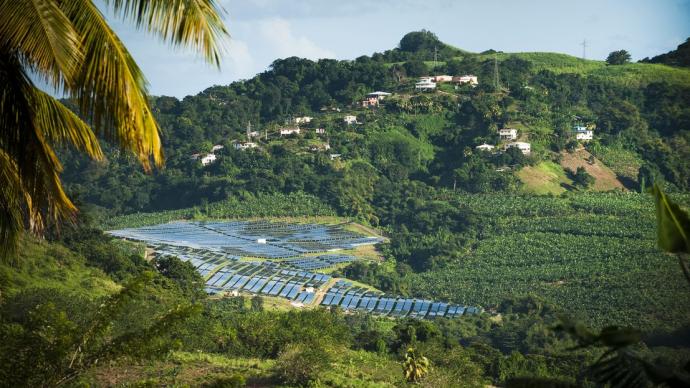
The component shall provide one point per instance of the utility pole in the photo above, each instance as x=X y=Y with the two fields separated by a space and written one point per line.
x=249 y=130
x=584 y=49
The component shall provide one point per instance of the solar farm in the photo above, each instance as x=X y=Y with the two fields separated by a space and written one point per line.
x=279 y=259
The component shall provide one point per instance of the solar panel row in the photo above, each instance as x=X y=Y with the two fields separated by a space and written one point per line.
x=395 y=307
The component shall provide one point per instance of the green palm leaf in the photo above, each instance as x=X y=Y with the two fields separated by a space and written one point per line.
x=194 y=23
x=112 y=92
x=37 y=191
x=62 y=126
x=43 y=36
x=70 y=44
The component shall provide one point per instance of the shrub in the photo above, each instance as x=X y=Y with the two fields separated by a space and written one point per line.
x=298 y=364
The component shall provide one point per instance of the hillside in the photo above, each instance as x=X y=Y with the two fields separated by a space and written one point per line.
x=631 y=74
x=466 y=180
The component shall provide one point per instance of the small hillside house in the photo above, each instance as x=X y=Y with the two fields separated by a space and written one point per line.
x=466 y=79
x=350 y=119
x=485 y=147
x=507 y=133
x=289 y=131
x=370 y=101
x=522 y=146
x=379 y=95
x=443 y=78
x=583 y=133
x=303 y=120
x=243 y=145
x=320 y=131
x=335 y=156
x=425 y=84
x=252 y=134
x=208 y=159
x=216 y=148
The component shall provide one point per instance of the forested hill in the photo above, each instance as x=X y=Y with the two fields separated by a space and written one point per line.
x=640 y=113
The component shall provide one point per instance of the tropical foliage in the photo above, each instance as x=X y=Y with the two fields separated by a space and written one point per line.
x=70 y=47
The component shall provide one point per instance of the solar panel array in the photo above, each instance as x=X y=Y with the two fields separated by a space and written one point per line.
x=319 y=262
x=215 y=250
x=349 y=298
x=263 y=278
x=262 y=239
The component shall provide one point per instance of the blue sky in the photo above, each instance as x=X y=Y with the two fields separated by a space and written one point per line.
x=264 y=30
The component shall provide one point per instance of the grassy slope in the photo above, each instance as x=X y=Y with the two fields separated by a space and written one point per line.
x=351 y=369
x=543 y=178
x=605 y=178
x=45 y=265
x=632 y=74
x=593 y=255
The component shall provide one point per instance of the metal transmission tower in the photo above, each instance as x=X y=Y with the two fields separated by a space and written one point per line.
x=584 y=49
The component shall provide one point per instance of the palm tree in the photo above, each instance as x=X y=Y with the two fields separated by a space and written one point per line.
x=69 y=45
x=415 y=366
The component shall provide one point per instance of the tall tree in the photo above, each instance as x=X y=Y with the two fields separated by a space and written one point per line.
x=69 y=45
x=619 y=57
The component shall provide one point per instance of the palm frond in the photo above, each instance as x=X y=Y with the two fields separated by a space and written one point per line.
x=112 y=89
x=42 y=35
x=30 y=167
x=13 y=202
x=193 y=23
x=62 y=126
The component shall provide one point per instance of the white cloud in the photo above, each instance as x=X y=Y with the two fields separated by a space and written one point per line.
x=239 y=61
x=277 y=36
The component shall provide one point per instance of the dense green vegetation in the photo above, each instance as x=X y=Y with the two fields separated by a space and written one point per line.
x=462 y=226
x=640 y=109
x=248 y=206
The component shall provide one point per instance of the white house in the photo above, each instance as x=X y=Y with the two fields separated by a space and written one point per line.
x=507 y=133
x=379 y=95
x=252 y=134
x=194 y=156
x=350 y=119
x=243 y=145
x=303 y=119
x=425 y=83
x=583 y=133
x=485 y=147
x=370 y=101
x=216 y=148
x=208 y=159
x=443 y=78
x=320 y=131
x=335 y=156
x=466 y=79
x=373 y=99
x=522 y=146
x=289 y=131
